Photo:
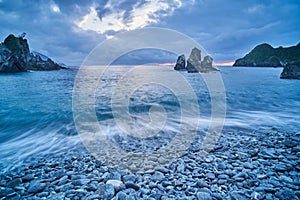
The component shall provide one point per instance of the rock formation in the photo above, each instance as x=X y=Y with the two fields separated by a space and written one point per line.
x=194 y=63
x=206 y=64
x=180 y=63
x=264 y=55
x=291 y=71
x=15 y=56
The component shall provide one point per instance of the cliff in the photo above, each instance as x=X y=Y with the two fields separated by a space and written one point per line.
x=264 y=55
x=291 y=71
x=15 y=56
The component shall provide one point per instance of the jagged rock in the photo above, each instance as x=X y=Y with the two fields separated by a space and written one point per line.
x=194 y=61
x=291 y=71
x=206 y=64
x=15 y=56
x=180 y=63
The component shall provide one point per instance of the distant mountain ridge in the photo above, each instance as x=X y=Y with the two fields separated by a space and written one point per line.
x=264 y=55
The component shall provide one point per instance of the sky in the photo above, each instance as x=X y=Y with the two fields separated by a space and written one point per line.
x=68 y=30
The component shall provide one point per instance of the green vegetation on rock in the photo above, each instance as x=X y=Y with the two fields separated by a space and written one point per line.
x=17 y=45
x=15 y=56
x=264 y=55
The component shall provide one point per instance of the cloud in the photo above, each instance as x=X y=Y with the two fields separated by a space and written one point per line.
x=55 y=8
x=50 y=28
x=127 y=15
x=67 y=30
x=255 y=9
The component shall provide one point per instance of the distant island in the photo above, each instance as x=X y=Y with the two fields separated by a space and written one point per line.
x=264 y=55
x=15 y=56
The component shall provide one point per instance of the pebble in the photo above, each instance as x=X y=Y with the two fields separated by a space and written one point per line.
x=106 y=191
x=286 y=194
x=222 y=166
x=285 y=179
x=158 y=176
x=14 y=182
x=81 y=182
x=283 y=167
x=204 y=196
x=28 y=177
x=6 y=192
x=237 y=196
x=231 y=172
x=132 y=185
x=118 y=185
x=36 y=187
x=211 y=175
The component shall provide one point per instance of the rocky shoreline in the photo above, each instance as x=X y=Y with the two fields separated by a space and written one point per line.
x=242 y=165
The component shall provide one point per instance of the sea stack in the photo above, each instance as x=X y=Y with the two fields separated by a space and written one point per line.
x=194 y=63
x=15 y=56
x=291 y=71
x=180 y=63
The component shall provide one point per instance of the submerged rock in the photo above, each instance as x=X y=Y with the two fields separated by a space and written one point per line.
x=180 y=63
x=15 y=56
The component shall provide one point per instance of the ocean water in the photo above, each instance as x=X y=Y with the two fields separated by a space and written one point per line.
x=36 y=116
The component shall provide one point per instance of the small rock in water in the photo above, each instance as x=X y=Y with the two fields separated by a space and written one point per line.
x=180 y=63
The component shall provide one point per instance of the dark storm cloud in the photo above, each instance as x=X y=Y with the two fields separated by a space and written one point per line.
x=226 y=29
x=51 y=33
x=229 y=29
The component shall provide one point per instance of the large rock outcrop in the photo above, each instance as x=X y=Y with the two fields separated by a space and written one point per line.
x=180 y=63
x=194 y=63
x=264 y=55
x=15 y=56
x=291 y=71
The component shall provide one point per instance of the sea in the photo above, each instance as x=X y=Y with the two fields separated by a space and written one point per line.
x=37 y=108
